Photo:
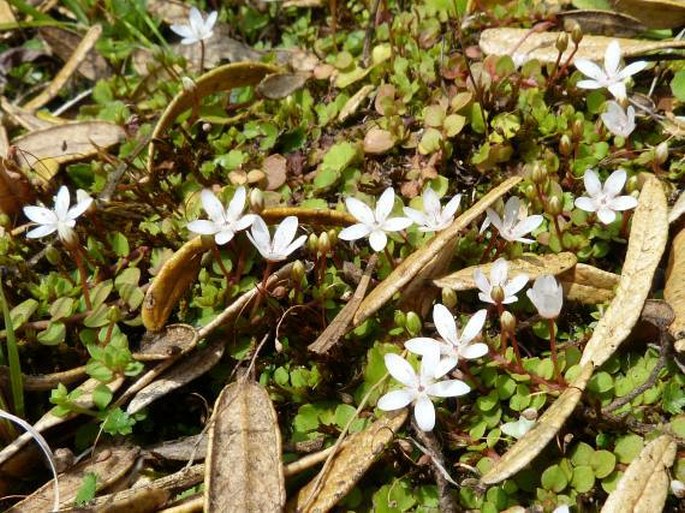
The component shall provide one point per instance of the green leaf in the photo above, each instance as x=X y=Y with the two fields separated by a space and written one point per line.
x=129 y=276
x=601 y=382
x=23 y=312
x=487 y=402
x=102 y=396
x=118 y=422
x=99 y=371
x=433 y=116
x=62 y=307
x=628 y=447
x=119 y=244
x=678 y=85
x=554 y=479
x=98 y=317
x=583 y=479
x=582 y=454
x=430 y=142
x=54 y=334
x=86 y=491
x=603 y=463
x=100 y=292
x=338 y=158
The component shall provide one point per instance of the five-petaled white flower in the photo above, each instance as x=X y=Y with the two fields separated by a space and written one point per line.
x=618 y=121
x=433 y=218
x=198 y=29
x=498 y=278
x=419 y=388
x=612 y=76
x=61 y=218
x=516 y=222
x=547 y=296
x=374 y=224
x=452 y=344
x=605 y=200
x=282 y=244
x=222 y=223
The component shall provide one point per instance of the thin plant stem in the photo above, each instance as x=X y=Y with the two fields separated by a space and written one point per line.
x=202 y=56
x=16 y=380
x=388 y=255
x=83 y=275
x=220 y=262
x=553 y=349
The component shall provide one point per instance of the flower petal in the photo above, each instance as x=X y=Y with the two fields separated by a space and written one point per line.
x=237 y=204
x=224 y=236
x=529 y=224
x=285 y=233
x=354 y=232
x=40 y=215
x=448 y=388
x=451 y=208
x=209 y=22
x=204 y=227
x=623 y=203
x=586 y=204
x=395 y=400
x=294 y=246
x=400 y=369
x=614 y=184
x=360 y=210
x=618 y=89
x=421 y=345
x=482 y=283
x=424 y=413
x=592 y=184
x=473 y=351
x=606 y=215
x=212 y=205
x=416 y=216
x=445 y=324
x=431 y=202
x=41 y=231
x=589 y=84
x=378 y=240
x=493 y=218
x=395 y=224
x=589 y=69
x=632 y=69
x=80 y=207
x=260 y=236
x=511 y=212
x=445 y=365
x=385 y=204
x=183 y=30
x=612 y=58
x=474 y=326
x=498 y=272
x=244 y=222
x=514 y=286
x=196 y=21
x=62 y=203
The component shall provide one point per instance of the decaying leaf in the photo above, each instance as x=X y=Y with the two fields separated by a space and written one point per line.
x=172 y=340
x=413 y=264
x=654 y=13
x=244 y=471
x=352 y=105
x=532 y=265
x=223 y=78
x=187 y=448
x=535 y=440
x=84 y=400
x=190 y=367
x=23 y=117
x=15 y=189
x=316 y=217
x=378 y=141
x=674 y=290
x=172 y=281
x=644 y=485
x=349 y=465
x=588 y=285
x=282 y=85
x=677 y=209
x=109 y=464
x=275 y=168
x=541 y=45
x=64 y=42
x=67 y=142
x=605 y=23
x=646 y=244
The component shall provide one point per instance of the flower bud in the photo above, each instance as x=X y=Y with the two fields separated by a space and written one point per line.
x=333 y=236
x=507 y=321
x=529 y=192
x=5 y=220
x=297 y=272
x=324 y=245
x=413 y=324
x=529 y=414
x=313 y=243
x=206 y=127
x=632 y=184
x=562 y=42
x=114 y=314
x=449 y=297
x=256 y=201
x=555 y=206
x=497 y=294
x=576 y=34
x=53 y=255
x=565 y=146
x=678 y=489
x=577 y=129
x=539 y=175
x=661 y=153
x=400 y=318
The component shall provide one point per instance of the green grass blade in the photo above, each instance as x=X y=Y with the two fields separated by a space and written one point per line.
x=16 y=381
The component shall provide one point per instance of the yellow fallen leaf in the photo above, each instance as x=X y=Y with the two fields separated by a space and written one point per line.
x=654 y=13
x=588 y=285
x=674 y=290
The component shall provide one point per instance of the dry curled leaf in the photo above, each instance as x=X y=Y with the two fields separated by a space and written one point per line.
x=588 y=285
x=605 y=23
x=644 y=485
x=282 y=85
x=64 y=42
x=535 y=440
x=172 y=281
x=15 y=189
x=413 y=264
x=531 y=265
x=109 y=464
x=646 y=244
x=316 y=217
x=349 y=465
x=352 y=105
x=378 y=141
x=172 y=340
x=244 y=471
x=654 y=13
x=674 y=290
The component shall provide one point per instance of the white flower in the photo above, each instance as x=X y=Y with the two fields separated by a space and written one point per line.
x=547 y=296
x=678 y=488
x=282 y=244
x=419 y=388
x=611 y=77
x=223 y=223
x=198 y=29
x=498 y=278
x=562 y=509
x=516 y=222
x=374 y=224
x=61 y=219
x=518 y=428
x=433 y=218
x=605 y=200
x=618 y=121
x=452 y=344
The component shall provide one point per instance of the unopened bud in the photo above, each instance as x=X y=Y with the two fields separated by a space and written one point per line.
x=449 y=297
x=206 y=127
x=333 y=236
x=529 y=414
x=313 y=243
x=562 y=42
x=507 y=321
x=400 y=318
x=114 y=314
x=576 y=34
x=256 y=201
x=53 y=255
x=497 y=294
x=555 y=206
x=413 y=324
x=632 y=184
x=297 y=272
x=577 y=129
x=5 y=220
x=324 y=245
x=661 y=153
x=529 y=192
x=565 y=146
x=188 y=84
x=539 y=175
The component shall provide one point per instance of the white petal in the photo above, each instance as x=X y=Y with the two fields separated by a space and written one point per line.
x=78 y=209
x=493 y=218
x=416 y=216
x=421 y=345
x=354 y=232
x=224 y=236
x=445 y=324
x=511 y=211
x=41 y=231
x=431 y=202
x=183 y=30
x=237 y=204
x=385 y=204
x=212 y=205
x=424 y=413
x=529 y=224
x=378 y=240
x=515 y=285
x=395 y=224
x=586 y=204
x=618 y=89
x=498 y=272
x=518 y=428
x=360 y=210
x=589 y=69
x=400 y=369
x=589 y=84
x=445 y=365
x=606 y=215
x=592 y=184
x=295 y=245
x=430 y=361
x=474 y=326
x=482 y=283
x=195 y=19
x=612 y=58
x=395 y=400
x=623 y=203
x=451 y=208
x=40 y=215
x=62 y=203
x=632 y=69
x=285 y=233
x=244 y=222
x=204 y=227
x=261 y=238
x=210 y=21
x=614 y=184
x=448 y=388
x=473 y=351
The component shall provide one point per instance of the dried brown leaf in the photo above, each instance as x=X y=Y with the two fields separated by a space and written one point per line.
x=646 y=244
x=316 y=217
x=275 y=168
x=244 y=471
x=187 y=448
x=644 y=485
x=64 y=42
x=378 y=141
x=589 y=285
x=172 y=340
x=654 y=13
x=352 y=105
x=413 y=264
x=349 y=465
x=282 y=85
x=674 y=290
x=15 y=189
x=531 y=265
x=172 y=281
x=605 y=23
x=546 y=428
x=541 y=45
